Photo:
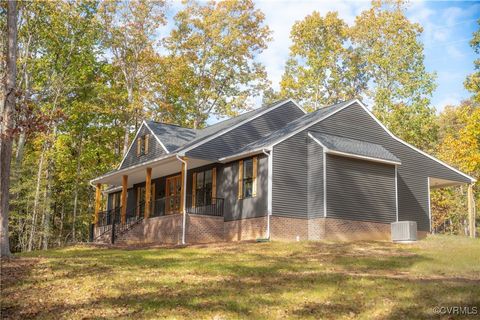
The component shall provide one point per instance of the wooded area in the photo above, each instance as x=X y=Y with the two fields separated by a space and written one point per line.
x=88 y=72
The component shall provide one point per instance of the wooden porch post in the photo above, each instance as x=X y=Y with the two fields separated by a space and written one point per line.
x=471 y=210
x=98 y=202
x=184 y=186
x=148 y=191
x=124 y=199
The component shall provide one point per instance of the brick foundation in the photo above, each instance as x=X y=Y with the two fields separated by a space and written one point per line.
x=245 y=229
x=291 y=229
x=205 y=229
x=288 y=229
x=349 y=230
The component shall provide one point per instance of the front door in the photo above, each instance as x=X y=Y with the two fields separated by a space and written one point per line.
x=173 y=191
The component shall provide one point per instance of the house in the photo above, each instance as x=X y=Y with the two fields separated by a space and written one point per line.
x=275 y=172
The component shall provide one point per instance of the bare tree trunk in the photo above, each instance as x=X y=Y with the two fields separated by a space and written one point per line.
x=126 y=139
x=75 y=196
x=7 y=112
x=20 y=148
x=36 y=199
x=47 y=210
x=62 y=216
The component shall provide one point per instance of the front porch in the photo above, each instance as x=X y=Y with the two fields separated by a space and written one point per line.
x=155 y=190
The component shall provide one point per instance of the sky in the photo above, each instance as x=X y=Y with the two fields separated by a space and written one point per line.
x=448 y=28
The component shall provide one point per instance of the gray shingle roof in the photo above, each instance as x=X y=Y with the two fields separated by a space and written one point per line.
x=172 y=136
x=175 y=137
x=354 y=147
x=293 y=126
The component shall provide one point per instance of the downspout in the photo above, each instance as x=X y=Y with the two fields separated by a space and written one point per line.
x=184 y=209
x=269 y=198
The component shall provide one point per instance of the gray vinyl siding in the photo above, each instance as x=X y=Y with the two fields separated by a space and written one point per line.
x=353 y=122
x=290 y=168
x=289 y=189
x=155 y=150
x=253 y=130
x=315 y=180
x=360 y=190
x=227 y=188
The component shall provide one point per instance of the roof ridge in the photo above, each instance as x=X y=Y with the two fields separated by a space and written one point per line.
x=249 y=111
x=170 y=124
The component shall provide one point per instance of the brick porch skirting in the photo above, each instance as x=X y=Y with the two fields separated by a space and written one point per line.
x=245 y=229
x=205 y=229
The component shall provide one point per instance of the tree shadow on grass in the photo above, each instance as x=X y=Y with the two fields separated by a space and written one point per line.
x=309 y=280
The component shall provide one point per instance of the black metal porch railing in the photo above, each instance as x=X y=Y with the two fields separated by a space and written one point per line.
x=104 y=221
x=208 y=207
x=110 y=221
x=132 y=217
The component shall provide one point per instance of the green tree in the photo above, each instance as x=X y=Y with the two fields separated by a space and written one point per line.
x=472 y=83
x=459 y=145
x=211 y=58
x=130 y=30
x=400 y=86
x=323 y=68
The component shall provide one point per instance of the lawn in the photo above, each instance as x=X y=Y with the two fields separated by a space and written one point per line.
x=366 y=280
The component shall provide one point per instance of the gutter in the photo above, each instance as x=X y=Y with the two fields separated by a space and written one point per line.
x=140 y=165
x=184 y=196
x=270 y=184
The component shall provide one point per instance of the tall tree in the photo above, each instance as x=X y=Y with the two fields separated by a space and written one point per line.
x=400 y=85
x=130 y=31
x=459 y=145
x=7 y=125
x=323 y=68
x=211 y=59
x=472 y=83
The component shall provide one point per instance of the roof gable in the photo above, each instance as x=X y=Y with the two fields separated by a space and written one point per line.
x=156 y=148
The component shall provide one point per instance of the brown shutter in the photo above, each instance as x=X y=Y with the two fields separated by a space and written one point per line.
x=194 y=189
x=254 y=178
x=139 y=142
x=214 y=185
x=147 y=140
x=240 y=179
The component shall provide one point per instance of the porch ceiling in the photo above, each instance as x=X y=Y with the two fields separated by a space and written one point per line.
x=137 y=174
x=443 y=183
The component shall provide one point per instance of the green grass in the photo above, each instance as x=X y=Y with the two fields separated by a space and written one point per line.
x=366 y=280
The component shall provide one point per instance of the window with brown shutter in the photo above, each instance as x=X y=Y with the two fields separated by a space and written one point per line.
x=146 y=139
x=139 y=146
x=214 y=185
x=247 y=178
x=143 y=145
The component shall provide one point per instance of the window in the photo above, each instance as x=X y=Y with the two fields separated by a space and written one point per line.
x=203 y=188
x=247 y=178
x=142 y=145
